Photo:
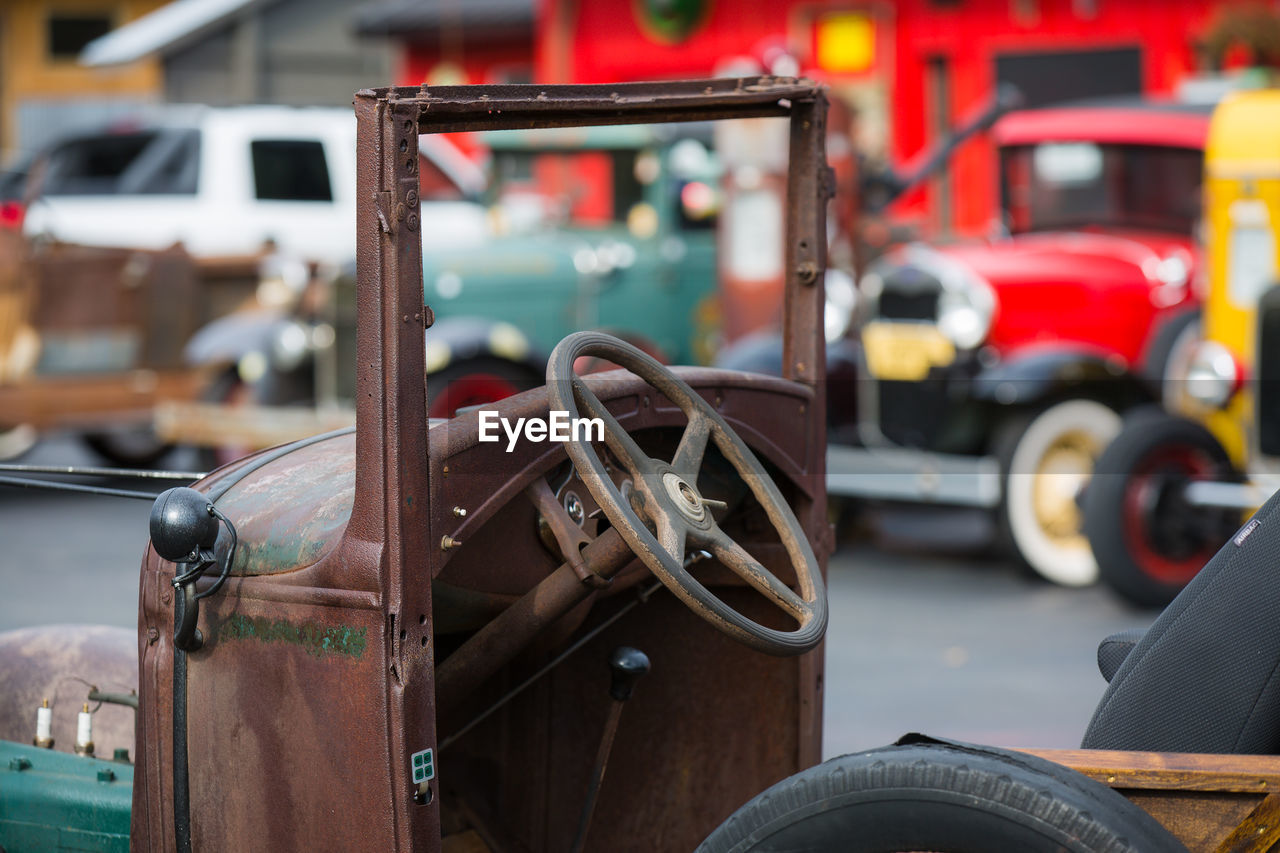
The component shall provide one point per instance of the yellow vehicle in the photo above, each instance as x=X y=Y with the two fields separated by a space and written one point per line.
x=1174 y=483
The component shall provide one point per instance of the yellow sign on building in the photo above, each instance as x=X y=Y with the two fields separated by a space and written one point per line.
x=846 y=43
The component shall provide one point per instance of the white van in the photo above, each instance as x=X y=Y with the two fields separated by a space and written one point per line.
x=222 y=181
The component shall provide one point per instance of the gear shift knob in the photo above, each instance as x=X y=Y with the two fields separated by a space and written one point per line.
x=627 y=665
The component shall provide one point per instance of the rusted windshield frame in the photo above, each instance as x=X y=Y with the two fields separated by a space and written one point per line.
x=391 y=520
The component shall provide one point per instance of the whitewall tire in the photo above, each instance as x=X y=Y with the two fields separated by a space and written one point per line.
x=1047 y=460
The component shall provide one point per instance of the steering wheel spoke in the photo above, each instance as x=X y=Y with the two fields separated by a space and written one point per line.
x=635 y=460
x=672 y=536
x=737 y=560
x=693 y=445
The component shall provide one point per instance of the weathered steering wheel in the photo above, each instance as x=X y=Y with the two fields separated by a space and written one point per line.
x=665 y=494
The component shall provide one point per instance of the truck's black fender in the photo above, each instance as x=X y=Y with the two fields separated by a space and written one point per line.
x=761 y=352
x=228 y=339
x=457 y=339
x=1048 y=373
x=1172 y=333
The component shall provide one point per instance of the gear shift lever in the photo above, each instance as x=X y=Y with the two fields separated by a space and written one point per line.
x=626 y=666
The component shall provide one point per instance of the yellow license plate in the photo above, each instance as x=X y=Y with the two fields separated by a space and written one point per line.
x=905 y=351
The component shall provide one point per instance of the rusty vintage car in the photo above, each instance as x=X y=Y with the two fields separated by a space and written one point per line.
x=405 y=637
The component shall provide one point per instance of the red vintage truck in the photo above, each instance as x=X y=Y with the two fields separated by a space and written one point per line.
x=995 y=372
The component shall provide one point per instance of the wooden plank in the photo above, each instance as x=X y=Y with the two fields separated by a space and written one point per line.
x=247 y=426
x=89 y=400
x=1201 y=820
x=1172 y=771
x=1259 y=831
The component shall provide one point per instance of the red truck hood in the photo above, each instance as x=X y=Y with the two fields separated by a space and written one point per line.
x=1088 y=287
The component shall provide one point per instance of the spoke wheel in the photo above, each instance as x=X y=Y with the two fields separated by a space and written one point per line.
x=1149 y=542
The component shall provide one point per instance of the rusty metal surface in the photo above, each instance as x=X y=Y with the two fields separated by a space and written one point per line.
x=706 y=730
x=490 y=648
x=59 y=663
x=317 y=684
x=292 y=513
x=810 y=184
x=451 y=108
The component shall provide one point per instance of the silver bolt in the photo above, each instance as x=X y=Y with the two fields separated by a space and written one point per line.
x=573 y=506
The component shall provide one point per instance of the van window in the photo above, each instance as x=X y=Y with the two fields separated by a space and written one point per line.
x=93 y=165
x=290 y=170
x=131 y=163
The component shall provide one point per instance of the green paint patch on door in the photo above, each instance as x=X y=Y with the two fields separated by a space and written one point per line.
x=317 y=640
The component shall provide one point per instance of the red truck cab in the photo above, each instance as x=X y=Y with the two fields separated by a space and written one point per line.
x=994 y=372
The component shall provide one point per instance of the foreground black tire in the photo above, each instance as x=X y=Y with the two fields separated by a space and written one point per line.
x=939 y=797
x=1149 y=543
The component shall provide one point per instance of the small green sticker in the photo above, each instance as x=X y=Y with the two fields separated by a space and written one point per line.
x=424 y=767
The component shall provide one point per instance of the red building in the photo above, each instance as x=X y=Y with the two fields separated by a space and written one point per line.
x=455 y=41
x=910 y=68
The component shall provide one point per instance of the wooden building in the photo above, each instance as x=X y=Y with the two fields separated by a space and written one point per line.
x=43 y=88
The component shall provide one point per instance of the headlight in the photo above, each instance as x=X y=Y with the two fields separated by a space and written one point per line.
x=962 y=323
x=965 y=303
x=842 y=298
x=872 y=285
x=290 y=346
x=1212 y=375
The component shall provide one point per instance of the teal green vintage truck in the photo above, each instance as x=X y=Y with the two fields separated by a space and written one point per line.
x=604 y=227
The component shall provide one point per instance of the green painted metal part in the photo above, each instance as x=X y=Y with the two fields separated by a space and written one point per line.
x=52 y=800
x=317 y=640
x=535 y=281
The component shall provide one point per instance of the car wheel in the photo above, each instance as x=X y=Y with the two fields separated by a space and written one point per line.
x=475 y=382
x=128 y=446
x=1047 y=458
x=939 y=797
x=1149 y=542
x=16 y=440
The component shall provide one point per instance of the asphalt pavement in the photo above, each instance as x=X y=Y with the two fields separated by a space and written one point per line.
x=921 y=638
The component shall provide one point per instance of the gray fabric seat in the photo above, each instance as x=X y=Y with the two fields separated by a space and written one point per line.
x=1206 y=676
x=1114 y=649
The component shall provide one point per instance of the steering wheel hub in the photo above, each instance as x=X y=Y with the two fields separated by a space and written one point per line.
x=684 y=496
